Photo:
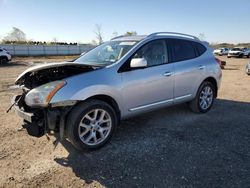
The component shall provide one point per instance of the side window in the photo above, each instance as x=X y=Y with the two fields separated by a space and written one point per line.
x=154 y=52
x=1 y=50
x=182 y=50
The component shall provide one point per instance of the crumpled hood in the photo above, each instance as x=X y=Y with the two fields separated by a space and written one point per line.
x=65 y=66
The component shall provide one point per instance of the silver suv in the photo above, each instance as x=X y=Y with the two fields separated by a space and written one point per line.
x=86 y=99
x=5 y=56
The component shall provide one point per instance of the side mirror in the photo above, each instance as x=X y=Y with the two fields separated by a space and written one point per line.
x=138 y=62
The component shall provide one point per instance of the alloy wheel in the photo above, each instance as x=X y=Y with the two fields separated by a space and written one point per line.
x=206 y=98
x=95 y=127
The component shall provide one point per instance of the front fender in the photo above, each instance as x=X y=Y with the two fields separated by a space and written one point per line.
x=87 y=92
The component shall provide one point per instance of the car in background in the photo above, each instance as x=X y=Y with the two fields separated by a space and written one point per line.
x=239 y=52
x=248 y=68
x=221 y=51
x=5 y=56
x=247 y=52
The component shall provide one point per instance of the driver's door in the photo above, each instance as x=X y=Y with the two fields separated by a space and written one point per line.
x=152 y=86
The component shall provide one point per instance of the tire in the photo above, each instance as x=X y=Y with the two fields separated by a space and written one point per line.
x=228 y=57
x=198 y=104
x=248 y=55
x=241 y=56
x=85 y=128
x=3 y=60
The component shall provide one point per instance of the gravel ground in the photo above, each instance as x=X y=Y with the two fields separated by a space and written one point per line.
x=172 y=147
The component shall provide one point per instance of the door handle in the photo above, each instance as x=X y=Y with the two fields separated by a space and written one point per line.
x=167 y=74
x=201 y=67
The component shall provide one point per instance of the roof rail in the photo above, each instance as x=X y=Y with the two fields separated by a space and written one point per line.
x=173 y=33
x=120 y=36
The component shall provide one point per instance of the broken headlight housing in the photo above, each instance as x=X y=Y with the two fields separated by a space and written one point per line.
x=41 y=96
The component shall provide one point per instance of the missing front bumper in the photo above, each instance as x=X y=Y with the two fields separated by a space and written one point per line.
x=27 y=116
x=39 y=121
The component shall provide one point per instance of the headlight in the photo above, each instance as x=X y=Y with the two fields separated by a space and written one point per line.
x=42 y=95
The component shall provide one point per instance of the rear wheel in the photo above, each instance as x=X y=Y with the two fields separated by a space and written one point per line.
x=204 y=98
x=91 y=124
x=3 y=60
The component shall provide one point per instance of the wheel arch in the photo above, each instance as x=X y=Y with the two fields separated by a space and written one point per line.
x=109 y=100
x=105 y=98
x=213 y=81
x=102 y=97
x=3 y=57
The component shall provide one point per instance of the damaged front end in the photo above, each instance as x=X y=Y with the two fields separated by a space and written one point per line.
x=39 y=84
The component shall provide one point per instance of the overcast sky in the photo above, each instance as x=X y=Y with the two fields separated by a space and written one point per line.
x=74 y=20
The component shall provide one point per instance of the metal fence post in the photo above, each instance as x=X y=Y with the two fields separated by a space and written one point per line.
x=44 y=51
x=14 y=49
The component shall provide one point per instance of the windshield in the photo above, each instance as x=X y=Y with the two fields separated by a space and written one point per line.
x=107 y=53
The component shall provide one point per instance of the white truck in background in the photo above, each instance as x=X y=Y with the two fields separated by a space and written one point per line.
x=239 y=52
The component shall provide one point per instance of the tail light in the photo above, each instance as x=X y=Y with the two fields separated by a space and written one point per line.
x=221 y=63
x=218 y=61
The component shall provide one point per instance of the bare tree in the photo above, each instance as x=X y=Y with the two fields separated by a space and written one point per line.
x=98 y=33
x=15 y=35
x=54 y=40
x=202 y=36
x=93 y=42
x=114 y=34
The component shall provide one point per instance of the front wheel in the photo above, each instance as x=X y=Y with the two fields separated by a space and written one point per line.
x=204 y=98
x=91 y=124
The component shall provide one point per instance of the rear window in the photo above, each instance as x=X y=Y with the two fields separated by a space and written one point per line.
x=200 y=48
x=182 y=50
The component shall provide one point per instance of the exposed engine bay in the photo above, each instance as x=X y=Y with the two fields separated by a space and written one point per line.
x=37 y=76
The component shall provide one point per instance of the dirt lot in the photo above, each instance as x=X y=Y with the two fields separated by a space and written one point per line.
x=172 y=147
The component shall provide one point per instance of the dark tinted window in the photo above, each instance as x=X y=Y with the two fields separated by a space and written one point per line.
x=200 y=48
x=182 y=50
x=1 y=50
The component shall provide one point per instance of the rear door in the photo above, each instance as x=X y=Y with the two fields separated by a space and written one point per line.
x=188 y=67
